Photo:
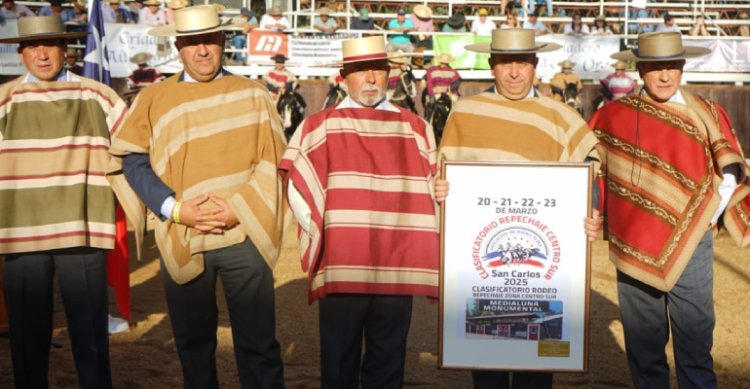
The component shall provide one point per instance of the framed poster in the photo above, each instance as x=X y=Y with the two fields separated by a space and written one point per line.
x=514 y=288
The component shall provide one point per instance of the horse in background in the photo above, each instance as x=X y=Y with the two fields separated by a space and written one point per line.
x=436 y=112
x=570 y=97
x=335 y=95
x=405 y=91
x=291 y=107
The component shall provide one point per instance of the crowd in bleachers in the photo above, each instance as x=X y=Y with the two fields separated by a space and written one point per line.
x=410 y=26
x=556 y=16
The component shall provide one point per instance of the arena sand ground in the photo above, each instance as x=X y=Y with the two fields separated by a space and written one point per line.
x=145 y=357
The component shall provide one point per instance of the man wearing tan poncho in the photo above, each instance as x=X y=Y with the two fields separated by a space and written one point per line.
x=511 y=123
x=200 y=150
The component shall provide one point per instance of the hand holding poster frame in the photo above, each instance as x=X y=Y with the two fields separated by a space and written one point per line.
x=514 y=290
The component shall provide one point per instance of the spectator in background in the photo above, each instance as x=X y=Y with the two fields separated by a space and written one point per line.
x=80 y=18
x=638 y=13
x=617 y=84
x=274 y=20
x=363 y=22
x=135 y=7
x=422 y=20
x=325 y=23
x=743 y=30
x=143 y=75
x=576 y=26
x=172 y=6
x=151 y=15
x=533 y=9
x=455 y=23
x=72 y=56
x=115 y=12
x=482 y=25
x=404 y=26
x=11 y=10
x=699 y=29
x=504 y=6
x=248 y=21
x=55 y=8
x=511 y=21
x=668 y=24
x=533 y=23
x=600 y=26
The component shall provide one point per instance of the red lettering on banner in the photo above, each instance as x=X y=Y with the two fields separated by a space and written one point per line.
x=267 y=43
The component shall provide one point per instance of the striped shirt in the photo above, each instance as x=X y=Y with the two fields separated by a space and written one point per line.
x=54 y=138
x=367 y=177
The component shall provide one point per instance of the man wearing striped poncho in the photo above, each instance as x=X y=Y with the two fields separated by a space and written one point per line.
x=200 y=150
x=511 y=123
x=57 y=211
x=673 y=166
x=360 y=177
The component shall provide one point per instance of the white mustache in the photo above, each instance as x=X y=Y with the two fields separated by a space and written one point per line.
x=371 y=87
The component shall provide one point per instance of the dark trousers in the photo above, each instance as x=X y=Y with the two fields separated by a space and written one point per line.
x=516 y=380
x=82 y=274
x=248 y=288
x=383 y=320
x=687 y=310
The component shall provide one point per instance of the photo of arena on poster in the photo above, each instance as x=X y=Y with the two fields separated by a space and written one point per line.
x=515 y=266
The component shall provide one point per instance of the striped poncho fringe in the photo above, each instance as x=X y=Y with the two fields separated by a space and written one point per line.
x=222 y=137
x=54 y=138
x=490 y=127
x=661 y=187
x=367 y=176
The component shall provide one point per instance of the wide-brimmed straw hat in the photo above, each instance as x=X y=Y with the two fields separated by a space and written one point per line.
x=152 y=2
x=456 y=20
x=176 y=4
x=567 y=64
x=660 y=46
x=196 y=20
x=324 y=11
x=399 y=56
x=513 y=41
x=41 y=27
x=620 y=65
x=371 y=48
x=275 y=11
x=422 y=11
x=141 y=58
x=446 y=58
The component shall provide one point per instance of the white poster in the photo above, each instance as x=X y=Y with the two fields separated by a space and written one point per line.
x=514 y=290
x=591 y=55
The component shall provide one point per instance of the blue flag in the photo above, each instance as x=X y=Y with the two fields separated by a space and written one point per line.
x=95 y=59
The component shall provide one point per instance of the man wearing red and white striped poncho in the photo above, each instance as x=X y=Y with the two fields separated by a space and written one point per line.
x=359 y=183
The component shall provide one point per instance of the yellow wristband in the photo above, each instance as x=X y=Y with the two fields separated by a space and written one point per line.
x=176 y=212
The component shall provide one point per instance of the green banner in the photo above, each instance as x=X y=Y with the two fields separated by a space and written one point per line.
x=462 y=58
